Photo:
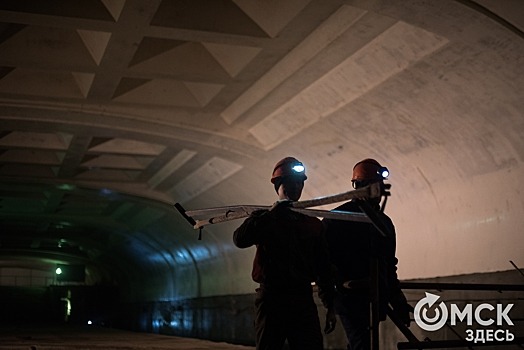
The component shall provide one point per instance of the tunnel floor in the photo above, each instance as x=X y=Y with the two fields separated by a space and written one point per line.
x=40 y=337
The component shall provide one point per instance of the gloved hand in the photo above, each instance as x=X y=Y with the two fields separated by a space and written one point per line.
x=331 y=321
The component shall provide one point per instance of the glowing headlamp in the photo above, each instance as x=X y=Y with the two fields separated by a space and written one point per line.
x=383 y=172
x=299 y=168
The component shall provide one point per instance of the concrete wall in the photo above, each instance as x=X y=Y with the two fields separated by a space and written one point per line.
x=230 y=318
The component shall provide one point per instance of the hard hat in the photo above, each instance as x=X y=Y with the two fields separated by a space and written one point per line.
x=288 y=166
x=369 y=170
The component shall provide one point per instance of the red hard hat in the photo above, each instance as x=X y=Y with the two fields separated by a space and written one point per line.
x=288 y=166
x=367 y=170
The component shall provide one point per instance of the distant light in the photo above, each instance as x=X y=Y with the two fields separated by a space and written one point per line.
x=66 y=187
x=106 y=191
x=58 y=271
x=89 y=322
x=298 y=168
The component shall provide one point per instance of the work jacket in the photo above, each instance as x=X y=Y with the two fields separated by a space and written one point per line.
x=291 y=252
x=352 y=245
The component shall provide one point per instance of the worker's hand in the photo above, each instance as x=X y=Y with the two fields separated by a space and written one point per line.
x=403 y=314
x=402 y=311
x=401 y=307
x=331 y=321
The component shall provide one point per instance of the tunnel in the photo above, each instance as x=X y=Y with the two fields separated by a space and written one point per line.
x=111 y=112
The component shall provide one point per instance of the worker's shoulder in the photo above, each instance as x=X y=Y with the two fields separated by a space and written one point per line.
x=349 y=206
x=313 y=223
x=310 y=219
x=259 y=212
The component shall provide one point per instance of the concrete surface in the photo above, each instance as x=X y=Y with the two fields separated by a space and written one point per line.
x=85 y=337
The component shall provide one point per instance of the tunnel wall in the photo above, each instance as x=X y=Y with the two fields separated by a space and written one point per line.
x=229 y=318
x=221 y=318
x=446 y=226
x=181 y=285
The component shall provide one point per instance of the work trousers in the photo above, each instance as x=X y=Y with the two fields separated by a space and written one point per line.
x=353 y=309
x=281 y=316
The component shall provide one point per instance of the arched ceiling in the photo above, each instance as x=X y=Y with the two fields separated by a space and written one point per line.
x=113 y=110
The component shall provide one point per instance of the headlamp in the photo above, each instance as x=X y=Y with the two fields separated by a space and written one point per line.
x=299 y=168
x=383 y=172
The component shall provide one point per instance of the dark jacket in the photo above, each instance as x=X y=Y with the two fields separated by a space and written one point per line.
x=291 y=252
x=352 y=245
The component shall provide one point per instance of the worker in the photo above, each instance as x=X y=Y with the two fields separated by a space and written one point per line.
x=356 y=250
x=291 y=254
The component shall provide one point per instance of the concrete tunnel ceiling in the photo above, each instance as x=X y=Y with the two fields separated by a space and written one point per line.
x=111 y=111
